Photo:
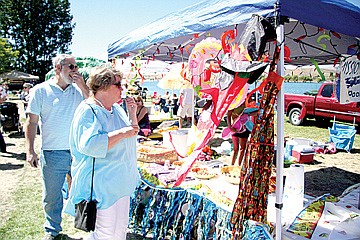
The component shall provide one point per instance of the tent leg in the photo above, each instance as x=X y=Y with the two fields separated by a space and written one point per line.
x=280 y=138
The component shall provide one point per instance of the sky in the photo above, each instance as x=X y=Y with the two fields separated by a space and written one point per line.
x=100 y=23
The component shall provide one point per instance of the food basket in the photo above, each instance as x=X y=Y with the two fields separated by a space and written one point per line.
x=156 y=154
x=231 y=174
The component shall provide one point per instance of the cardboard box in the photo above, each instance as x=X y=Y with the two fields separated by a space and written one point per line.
x=302 y=157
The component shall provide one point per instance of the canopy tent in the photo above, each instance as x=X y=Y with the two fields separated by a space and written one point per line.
x=17 y=75
x=163 y=39
x=16 y=79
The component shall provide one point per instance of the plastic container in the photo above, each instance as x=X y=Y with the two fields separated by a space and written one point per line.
x=303 y=157
x=179 y=140
x=302 y=141
x=289 y=147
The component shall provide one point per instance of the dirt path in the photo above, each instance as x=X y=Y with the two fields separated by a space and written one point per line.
x=12 y=170
x=13 y=166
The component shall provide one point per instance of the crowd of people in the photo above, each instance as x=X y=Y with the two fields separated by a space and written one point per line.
x=166 y=103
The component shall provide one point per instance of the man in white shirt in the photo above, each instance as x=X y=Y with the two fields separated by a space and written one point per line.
x=53 y=103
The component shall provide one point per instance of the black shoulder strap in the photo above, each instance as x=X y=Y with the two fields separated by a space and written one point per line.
x=93 y=167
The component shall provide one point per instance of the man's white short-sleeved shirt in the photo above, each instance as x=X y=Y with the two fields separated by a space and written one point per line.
x=56 y=108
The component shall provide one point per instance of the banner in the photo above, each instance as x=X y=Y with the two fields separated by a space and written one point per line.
x=348 y=84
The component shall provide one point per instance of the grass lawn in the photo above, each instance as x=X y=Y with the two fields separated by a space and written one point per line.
x=27 y=219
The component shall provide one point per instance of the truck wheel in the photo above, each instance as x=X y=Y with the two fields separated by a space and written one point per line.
x=294 y=117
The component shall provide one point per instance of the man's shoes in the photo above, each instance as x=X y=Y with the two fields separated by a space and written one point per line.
x=48 y=236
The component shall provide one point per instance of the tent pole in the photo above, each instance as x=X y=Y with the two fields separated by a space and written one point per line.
x=193 y=107
x=280 y=136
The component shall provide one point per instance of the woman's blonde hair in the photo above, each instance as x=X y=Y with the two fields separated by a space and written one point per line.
x=101 y=77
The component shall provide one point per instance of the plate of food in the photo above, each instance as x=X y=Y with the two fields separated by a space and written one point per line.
x=203 y=173
x=231 y=174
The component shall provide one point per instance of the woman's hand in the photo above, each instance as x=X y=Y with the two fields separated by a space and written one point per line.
x=130 y=131
x=131 y=107
x=125 y=132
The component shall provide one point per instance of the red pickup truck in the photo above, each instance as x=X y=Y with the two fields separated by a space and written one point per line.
x=322 y=106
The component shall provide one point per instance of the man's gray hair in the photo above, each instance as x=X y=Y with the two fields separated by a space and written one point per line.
x=60 y=58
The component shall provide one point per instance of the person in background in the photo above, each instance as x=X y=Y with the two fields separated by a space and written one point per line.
x=186 y=102
x=4 y=91
x=54 y=102
x=103 y=132
x=240 y=133
x=175 y=104
x=142 y=115
x=25 y=94
x=2 y=141
x=165 y=102
x=166 y=96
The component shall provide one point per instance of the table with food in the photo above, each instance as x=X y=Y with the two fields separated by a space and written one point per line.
x=200 y=208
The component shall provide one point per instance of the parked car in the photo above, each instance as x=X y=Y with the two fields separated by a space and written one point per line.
x=322 y=106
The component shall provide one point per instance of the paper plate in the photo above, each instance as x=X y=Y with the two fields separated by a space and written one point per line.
x=205 y=176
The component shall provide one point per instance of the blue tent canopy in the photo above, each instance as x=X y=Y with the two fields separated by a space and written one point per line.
x=213 y=17
x=198 y=18
x=342 y=16
x=167 y=37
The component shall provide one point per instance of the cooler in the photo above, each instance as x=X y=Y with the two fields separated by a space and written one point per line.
x=303 y=153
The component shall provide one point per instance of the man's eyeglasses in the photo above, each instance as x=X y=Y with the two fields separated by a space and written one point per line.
x=72 y=66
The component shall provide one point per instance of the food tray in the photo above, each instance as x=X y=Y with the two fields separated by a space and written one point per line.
x=231 y=174
x=156 y=154
x=205 y=176
x=203 y=172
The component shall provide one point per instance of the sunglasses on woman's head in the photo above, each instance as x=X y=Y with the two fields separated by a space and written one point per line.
x=118 y=84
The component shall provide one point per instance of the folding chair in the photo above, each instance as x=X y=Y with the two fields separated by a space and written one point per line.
x=342 y=135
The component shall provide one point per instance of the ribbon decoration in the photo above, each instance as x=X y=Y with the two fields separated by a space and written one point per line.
x=323 y=46
x=318 y=68
x=225 y=42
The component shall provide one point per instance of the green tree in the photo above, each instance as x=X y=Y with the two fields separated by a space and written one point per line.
x=38 y=29
x=7 y=55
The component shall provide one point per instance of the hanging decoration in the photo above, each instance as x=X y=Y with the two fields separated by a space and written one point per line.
x=255 y=172
x=208 y=49
x=315 y=63
x=287 y=54
x=222 y=95
x=323 y=36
